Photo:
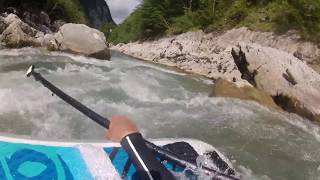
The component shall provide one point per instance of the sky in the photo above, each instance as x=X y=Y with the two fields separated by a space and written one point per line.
x=120 y=9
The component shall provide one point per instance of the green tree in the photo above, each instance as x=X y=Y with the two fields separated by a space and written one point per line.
x=155 y=18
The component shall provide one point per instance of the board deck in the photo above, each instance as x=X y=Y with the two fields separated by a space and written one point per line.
x=22 y=159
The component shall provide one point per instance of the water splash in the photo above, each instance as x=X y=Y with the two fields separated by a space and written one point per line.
x=165 y=104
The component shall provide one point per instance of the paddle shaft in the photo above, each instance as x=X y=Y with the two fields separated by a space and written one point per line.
x=105 y=123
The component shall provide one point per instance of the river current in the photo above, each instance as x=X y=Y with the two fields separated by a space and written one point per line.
x=262 y=144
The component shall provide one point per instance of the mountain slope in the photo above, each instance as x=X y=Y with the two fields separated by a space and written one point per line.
x=156 y=18
x=95 y=13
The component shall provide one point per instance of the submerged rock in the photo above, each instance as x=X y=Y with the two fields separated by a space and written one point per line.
x=223 y=88
x=80 y=39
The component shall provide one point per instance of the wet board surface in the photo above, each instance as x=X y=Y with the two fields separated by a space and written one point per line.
x=35 y=160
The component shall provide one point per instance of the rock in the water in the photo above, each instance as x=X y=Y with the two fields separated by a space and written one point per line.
x=80 y=39
x=281 y=74
x=18 y=34
x=74 y=38
x=223 y=88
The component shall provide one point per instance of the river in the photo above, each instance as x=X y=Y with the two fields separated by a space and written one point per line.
x=262 y=144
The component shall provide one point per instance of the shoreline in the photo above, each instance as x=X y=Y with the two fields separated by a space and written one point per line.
x=171 y=68
x=15 y=33
x=276 y=65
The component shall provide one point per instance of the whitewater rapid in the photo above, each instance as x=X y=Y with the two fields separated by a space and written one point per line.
x=163 y=102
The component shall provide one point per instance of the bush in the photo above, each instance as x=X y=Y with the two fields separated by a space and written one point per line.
x=129 y=30
x=308 y=14
x=180 y=25
x=107 y=29
x=67 y=10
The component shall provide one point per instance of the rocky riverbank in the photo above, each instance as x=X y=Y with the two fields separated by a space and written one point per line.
x=73 y=38
x=282 y=67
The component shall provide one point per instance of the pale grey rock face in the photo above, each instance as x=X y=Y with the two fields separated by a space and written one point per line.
x=190 y=53
x=290 y=42
x=275 y=64
x=202 y=44
x=80 y=39
x=280 y=73
x=74 y=38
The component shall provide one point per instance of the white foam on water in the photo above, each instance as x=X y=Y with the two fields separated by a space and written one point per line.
x=51 y=123
x=304 y=125
x=207 y=81
x=164 y=104
x=24 y=100
x=34 y=104
x=138 y=89
x=19 y=52
x=247 y=174
x=72 y=69
x=155 y=67
x=166 y=70
x=82 y=59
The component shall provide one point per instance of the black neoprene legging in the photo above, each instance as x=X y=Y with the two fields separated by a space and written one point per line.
x=147 y=166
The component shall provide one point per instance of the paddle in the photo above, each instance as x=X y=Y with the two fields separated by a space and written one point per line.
x=104 y=122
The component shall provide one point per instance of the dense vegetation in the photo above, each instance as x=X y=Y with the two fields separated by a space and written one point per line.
x=155 y=18
x=67 y=10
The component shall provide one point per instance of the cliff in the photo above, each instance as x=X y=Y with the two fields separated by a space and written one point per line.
x=97 y=11
x=94 y=13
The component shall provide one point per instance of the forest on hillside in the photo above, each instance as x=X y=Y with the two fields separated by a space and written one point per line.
x=157 y=18
x=67 y=10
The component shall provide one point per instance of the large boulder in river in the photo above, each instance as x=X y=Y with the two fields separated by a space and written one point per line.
x=293 y=84
x=17 y=34
x=80 y=39
x=224 y=88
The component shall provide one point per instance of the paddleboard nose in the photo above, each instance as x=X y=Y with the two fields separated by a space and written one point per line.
x=30 y=71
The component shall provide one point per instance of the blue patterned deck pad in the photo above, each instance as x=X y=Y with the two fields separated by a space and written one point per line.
x=38 y=162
